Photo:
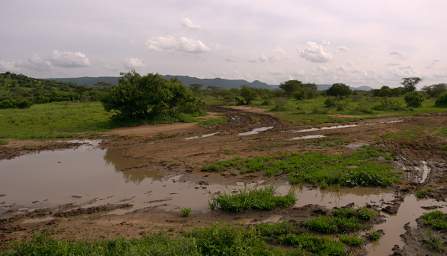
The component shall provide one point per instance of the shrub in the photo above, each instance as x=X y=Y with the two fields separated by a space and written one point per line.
x=280 y=104
x=314 y=244
x=414 y=99
x=352 y=240
x=441 y=101
x=257 y=199
x=388 y=105
x=185 y=212
x=436 y=220
x=150 y=97
x=339 y=90
x=375 y=235
x=330 y=102
x=248 y=94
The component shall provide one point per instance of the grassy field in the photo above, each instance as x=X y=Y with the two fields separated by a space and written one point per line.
x=360 y=168
x=54 y=120
x=314 y=111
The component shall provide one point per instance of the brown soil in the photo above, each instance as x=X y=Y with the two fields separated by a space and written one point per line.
x=167 y=148
x=15 y=148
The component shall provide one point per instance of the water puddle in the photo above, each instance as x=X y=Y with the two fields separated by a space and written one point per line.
x=409 y=211
x=326 y=128
x=309 y=137
x=202 y=136
x=416 y=172
x=256 y=131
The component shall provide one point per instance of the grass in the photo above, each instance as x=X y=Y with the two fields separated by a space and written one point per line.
x=207 y=123
x=54 y=120
x=354 y=108
x=3 y=142
x=256 y=199
x=352 y=240
x=361 y=168
x=423 y=193
x=343 y=220
x=375 y=235
x=436 y=220
x=433 y=242
x=185 y=212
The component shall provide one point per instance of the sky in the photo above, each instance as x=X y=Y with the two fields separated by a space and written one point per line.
x=367 y=42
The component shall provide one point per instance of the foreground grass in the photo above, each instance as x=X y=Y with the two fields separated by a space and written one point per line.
x=257 y=199
x=360 y=168
x=54 y=120
x=436 y=220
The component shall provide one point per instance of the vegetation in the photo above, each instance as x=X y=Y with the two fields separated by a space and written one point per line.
x=442 y=101
x=360 y=168
x=433 y=242
x=352 y=240
x=414 y=99
x=256 y=199
x=339 y=90
x=436 y=220
x=150 y=97
x=20 y=91
x=212 y=122
x=54 y=120
x=185 y=212
x=435 y=90
x=375 y=235
x=342 y=220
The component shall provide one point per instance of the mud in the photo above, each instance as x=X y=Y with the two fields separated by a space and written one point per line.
x=135 y=180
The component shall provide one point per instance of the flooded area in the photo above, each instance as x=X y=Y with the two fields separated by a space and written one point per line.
x=309 y=137
x=394 y=226
x=256 y=131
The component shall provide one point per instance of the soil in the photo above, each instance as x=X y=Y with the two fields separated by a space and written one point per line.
x=166 y=149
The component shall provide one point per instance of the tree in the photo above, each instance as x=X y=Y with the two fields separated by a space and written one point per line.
x=290 y=87
x=435 y=90
x=339 y=90
x=146 y=97
x=414 y=99
x=248 y=94
x=410 y=83
x=442 y=101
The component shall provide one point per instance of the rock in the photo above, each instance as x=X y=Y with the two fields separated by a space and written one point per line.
x=391 y=209
x=76 y=196
x=203 y=183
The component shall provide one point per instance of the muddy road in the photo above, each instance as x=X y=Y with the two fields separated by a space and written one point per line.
x=134 y=181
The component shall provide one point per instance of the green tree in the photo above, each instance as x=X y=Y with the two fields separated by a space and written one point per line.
x=290 y=87
x=150 y=96
x=339 y=90
x=410 y=83
x=414 y=99
x=248 y=94
x=435 y=90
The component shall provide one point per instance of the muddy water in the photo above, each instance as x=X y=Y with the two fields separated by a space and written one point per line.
x=409 y=211
x=256 y=131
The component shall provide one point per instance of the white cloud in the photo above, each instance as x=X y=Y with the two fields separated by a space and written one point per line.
x=341 y=49
x=187 y=23
x=35 y=63
x=277 y=54
x=172 y=43
x=67 y=59
x=397 y=55
x=315 y=52
x=133 y=63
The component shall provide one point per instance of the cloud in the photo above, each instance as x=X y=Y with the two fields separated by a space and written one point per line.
x=341 y=49
x=316 y=53
x=187 y=23
x=133 y=63
x=35 y=63
x=67 y=59
x=277 y=54
x=172 y=43
x=397 y=55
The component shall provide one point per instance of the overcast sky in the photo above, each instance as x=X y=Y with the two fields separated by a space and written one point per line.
x=359 y=42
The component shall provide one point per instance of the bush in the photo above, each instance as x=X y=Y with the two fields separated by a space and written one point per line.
x=280 y=104
x=150 y=97
x=414 y=99
x=330 y=102
x=257 y=199
x=185 y=212
x=441 y=101
x=339 y=90
x=388 y=105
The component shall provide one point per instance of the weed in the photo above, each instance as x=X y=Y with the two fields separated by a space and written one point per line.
x=357 y=169
x=314 y=244
x=423 y=193
x=257 y=199
x=185 y=212
x=433 y=242
x=375 y=235
x=352 y=240
x=435 y=219
x=3 y=142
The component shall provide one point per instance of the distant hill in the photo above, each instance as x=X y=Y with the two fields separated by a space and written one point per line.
x=187 y=80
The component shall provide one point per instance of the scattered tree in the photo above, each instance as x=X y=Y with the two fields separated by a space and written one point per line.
x=339 y=90
x=410 y=83
x=290 y=87
x=442 y=101
x=150 y=96
x=435 y=90
x=248 y=94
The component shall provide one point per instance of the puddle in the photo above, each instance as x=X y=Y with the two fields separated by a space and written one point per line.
x=38 y=220
x=202 y=136
x=326 y=128
x=256 y=131
x=356 y=145
x=409 y=211
x=331 y=197
x=309 y=137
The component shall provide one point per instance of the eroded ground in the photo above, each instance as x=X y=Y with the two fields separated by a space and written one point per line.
x=134 y=181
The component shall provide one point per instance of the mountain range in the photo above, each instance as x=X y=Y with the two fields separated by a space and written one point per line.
x=188 y=80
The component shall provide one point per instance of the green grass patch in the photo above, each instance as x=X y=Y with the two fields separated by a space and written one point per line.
x=433 y=242
x=436 y=220
x=361 y=168
x=375 y=235
x=343 y=220
x=423 y=193
x=3 y=142
x=352 y=240
x=256 y=199
x=314 y=244
x=54 y=120
x=185 y=212
x=212 y=122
